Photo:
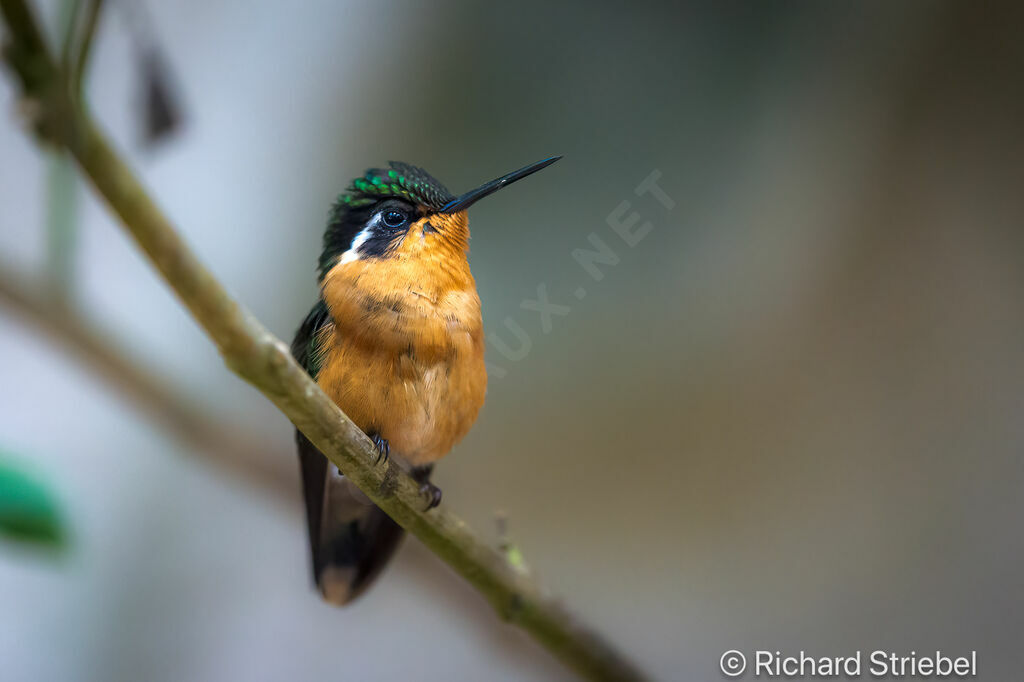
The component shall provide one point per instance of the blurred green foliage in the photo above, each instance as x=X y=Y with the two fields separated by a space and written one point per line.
x=29 y=512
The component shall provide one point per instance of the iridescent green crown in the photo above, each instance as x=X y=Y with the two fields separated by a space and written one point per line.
x=400 y=181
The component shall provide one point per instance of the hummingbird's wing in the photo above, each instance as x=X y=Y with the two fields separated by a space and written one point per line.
x=350 y=538
x=305 y=345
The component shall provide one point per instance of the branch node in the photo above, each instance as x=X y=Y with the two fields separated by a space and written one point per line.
x=509 y=550
x=512 y=607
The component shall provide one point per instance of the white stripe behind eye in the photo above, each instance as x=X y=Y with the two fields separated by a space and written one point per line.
x=353 y=251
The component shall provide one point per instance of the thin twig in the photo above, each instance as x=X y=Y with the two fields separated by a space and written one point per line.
x=68 y=21
x=226 y=448
x=254 y=354
x=61 y=223
x=85 y=48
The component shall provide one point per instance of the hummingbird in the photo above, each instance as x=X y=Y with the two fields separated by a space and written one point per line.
x=396 y=340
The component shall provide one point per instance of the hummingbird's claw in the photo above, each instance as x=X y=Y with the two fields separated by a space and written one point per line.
x=432 y=493
x=383 y=448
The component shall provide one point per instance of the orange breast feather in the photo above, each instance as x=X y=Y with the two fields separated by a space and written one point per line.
x=405 y=359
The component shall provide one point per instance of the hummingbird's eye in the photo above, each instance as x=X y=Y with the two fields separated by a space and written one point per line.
x=393 y=218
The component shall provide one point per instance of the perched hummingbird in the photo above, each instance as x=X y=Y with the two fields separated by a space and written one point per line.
x=396 y=340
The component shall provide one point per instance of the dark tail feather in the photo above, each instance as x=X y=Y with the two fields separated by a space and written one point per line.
x=350 y=538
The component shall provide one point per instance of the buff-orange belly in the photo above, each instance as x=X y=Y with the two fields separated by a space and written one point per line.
x=422 y=404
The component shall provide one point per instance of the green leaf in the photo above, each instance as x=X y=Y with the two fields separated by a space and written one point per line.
x=28 y=511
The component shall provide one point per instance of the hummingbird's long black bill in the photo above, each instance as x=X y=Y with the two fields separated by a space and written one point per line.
x=475 y=195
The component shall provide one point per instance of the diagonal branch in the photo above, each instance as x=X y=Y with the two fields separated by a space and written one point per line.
x=255 y=355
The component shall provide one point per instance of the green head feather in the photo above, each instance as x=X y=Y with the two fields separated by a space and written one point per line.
x=400 y=181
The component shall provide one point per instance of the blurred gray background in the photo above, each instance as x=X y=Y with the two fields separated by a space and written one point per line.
x=788 y=418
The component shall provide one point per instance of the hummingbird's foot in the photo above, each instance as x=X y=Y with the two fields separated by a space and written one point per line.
x=383 y=449
x=432 y=493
